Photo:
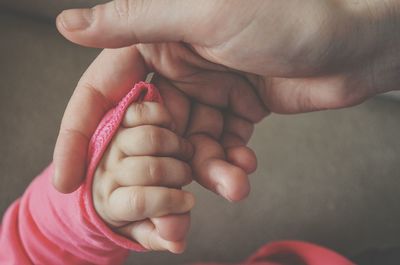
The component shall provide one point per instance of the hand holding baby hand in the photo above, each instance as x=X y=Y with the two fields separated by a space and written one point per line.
x=136 y=188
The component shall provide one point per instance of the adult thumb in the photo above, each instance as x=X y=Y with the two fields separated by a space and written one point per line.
x=121 y=23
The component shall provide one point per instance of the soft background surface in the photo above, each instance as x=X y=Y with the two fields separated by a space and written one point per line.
x=331 y=177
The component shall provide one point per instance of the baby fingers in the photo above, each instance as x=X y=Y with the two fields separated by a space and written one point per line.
x=127 y=204
x=215 y=173
x=147 y=113
x=146 y=234
x=153 y=171
x=150 y=140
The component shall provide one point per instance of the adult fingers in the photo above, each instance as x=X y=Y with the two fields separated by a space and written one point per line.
x=237 y=132
x=105 y=82
x=153 y=171
x=243 y=157
x=205 y=120
x=127 y=204
x=203 y=81
x=121 y=23
x=146 y=234
x=212 y=171
x=148 y=113
x=150 y=140
x=209 y=164
x=238 y=129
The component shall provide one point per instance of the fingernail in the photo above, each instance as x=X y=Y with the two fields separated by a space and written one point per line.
x=76 y=19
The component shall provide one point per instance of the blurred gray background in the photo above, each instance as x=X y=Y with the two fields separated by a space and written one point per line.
x=332 y=177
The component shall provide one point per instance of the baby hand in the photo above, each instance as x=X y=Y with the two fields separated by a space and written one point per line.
x=137 y=184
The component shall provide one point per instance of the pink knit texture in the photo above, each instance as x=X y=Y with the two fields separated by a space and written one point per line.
x=47 y=227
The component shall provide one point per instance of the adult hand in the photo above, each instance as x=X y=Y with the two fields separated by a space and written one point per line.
x=221 y=161
x=301 y=55
x=293 y=56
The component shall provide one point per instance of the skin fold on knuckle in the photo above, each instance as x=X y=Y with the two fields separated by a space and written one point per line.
x=127 y=11
x=155 y=138
x=120 y=138
x=123 y=168
x=155 y=171
x=99 y=200
x=135 y=113
x=168 y=202
x=240 y=127
x=206 y=120
x=104 y=184
x=137 y=202
x=156 y=114
x=123 y=9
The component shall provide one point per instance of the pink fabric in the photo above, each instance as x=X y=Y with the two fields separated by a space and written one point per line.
x=295 y=253
x=292 y=253
x=47 y=227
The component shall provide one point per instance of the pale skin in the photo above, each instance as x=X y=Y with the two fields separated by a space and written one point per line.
x=225 y=135
x=291 y=56
x=241 y=58
x=157 y=150
x=137 y=184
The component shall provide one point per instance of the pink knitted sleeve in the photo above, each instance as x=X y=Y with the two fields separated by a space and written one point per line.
x=47 y=227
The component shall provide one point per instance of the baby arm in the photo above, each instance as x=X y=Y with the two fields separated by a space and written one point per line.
x=46 y=227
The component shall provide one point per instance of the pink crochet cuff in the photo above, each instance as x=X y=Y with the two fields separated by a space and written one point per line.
x=101 y=138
